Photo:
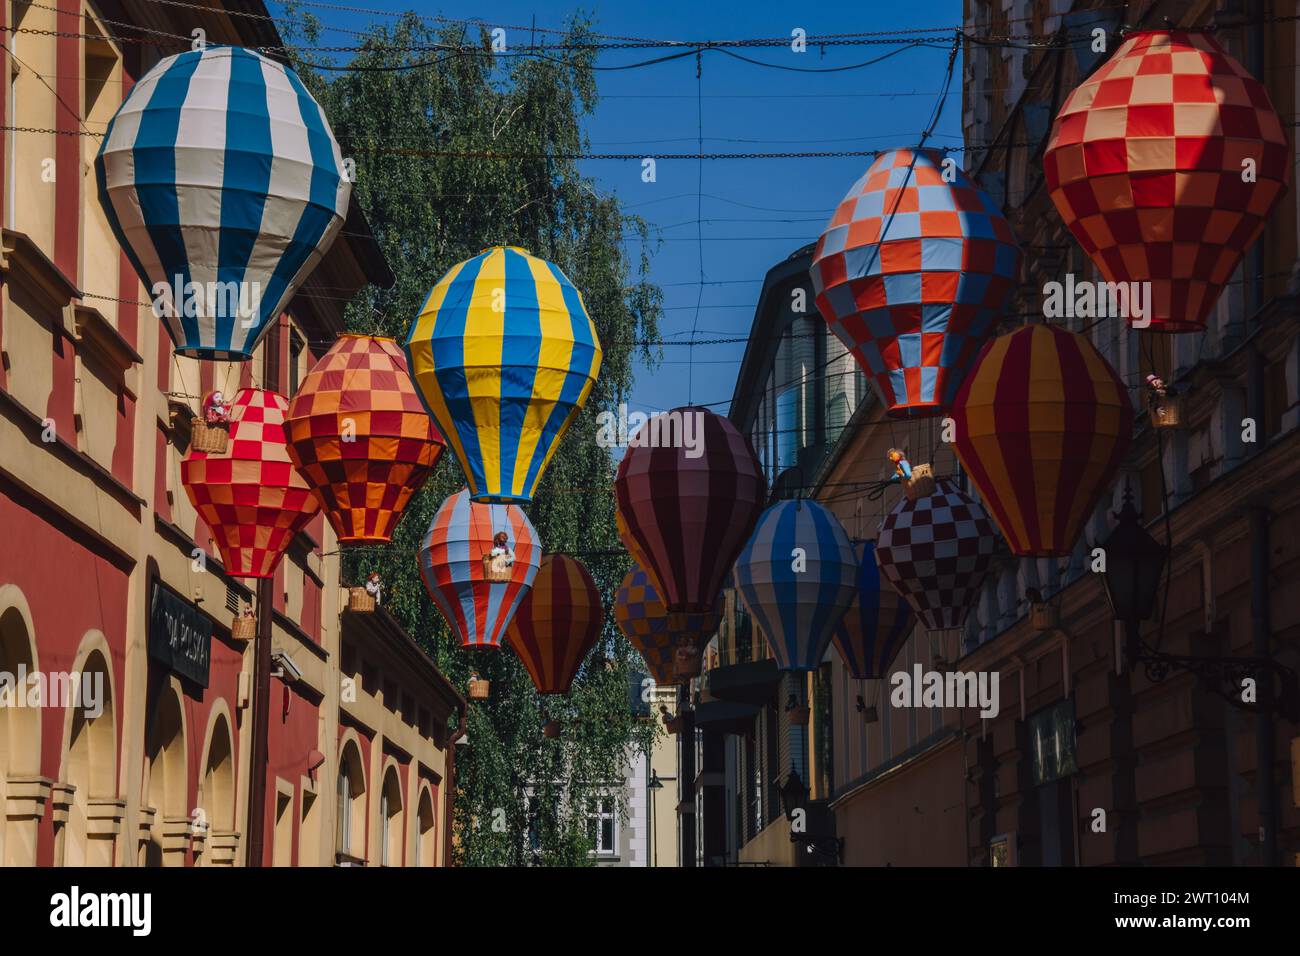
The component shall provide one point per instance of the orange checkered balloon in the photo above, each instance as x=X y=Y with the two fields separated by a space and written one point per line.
x=558 y=623
x=670 y=643
x=1041 y=425
x=361 y=437
x=251 y=496
x=1165 y=163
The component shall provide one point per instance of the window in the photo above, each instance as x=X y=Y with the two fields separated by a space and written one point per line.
x=271 y=356
x=425 y=837
x=282 y=838
x=350 y=841
x=602 y=828
x=345 y=811
x=824 y=738
x=295 y=360
x=390 y=820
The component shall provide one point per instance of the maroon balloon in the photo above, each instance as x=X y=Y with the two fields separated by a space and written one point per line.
x=689 y=490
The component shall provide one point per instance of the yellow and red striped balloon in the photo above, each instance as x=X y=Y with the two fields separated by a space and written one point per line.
x=558 y=623
x=1042 y=423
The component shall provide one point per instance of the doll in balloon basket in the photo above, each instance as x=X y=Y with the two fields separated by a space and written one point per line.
x=687 y=658
x=917 y=482
x=498 y=561
x=210 y=431
x=1163 y=401
x=375 y=587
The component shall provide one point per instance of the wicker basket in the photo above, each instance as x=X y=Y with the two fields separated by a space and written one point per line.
x=1166 y=412
x=496 y=569
x=213 y=439
x=551 y=729
x=479 y=688
x=359 y=599
x=921 y=483
x=243 y=628
x=1044 y=616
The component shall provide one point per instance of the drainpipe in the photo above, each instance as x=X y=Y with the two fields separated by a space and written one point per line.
x=1265 y=743
x=1255 y=63
x=1265 y=785
x=449 y=794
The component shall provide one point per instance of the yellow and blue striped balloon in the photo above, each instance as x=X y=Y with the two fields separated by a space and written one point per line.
x=504 y=355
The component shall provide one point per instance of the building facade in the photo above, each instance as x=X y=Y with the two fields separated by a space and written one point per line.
x=136 y=749
x=1089 y=761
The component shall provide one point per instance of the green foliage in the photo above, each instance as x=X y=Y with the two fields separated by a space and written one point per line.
x=429 y=212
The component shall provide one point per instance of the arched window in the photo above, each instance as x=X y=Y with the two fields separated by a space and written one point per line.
x=390 y=819
x=349 y=842
x=426 y=843
x=217 y=795
x=91 y=761
x=165 y=783
x=20 y=727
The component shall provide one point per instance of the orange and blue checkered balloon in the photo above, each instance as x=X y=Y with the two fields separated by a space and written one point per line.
x=656 y=632
x=912 y=274
x=504 y=355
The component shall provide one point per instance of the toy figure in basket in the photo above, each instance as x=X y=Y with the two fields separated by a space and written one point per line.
x=374 y=587
x=902 y=468
x=1157 y=386
x=500 y=557
x=215 y=409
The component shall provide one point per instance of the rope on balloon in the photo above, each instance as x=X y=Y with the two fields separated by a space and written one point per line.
x=1164 y=494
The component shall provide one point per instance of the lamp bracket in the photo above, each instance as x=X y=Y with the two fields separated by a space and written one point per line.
x=1223 y=676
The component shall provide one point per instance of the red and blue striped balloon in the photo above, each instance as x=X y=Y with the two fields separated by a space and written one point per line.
x=877 y=623
x=797 y=576
x=451 y=564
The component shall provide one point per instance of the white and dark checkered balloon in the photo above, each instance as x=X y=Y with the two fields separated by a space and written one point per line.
x=936 y=551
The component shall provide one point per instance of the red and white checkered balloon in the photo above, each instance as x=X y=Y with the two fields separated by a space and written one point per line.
x=1165 y=164
x=936 y=551
x=251 y=497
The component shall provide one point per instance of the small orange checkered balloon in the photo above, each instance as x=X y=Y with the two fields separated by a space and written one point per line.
x=361 y=437
x=558 y=623
x=251 y=497
x=669 y=642
x=1165 y=165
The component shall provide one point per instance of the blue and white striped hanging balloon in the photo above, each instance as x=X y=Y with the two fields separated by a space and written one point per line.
x=797 y=577
x=224 y=185
x=878 y=623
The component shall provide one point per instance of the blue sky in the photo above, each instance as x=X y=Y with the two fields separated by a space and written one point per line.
x=756 y=211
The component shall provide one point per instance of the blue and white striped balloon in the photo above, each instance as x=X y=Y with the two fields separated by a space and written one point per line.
x=224 y=185
x=797 y=577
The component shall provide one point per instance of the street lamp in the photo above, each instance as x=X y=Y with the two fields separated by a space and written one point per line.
x=792 y=793
x=654 y=786
x=1134 y=563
